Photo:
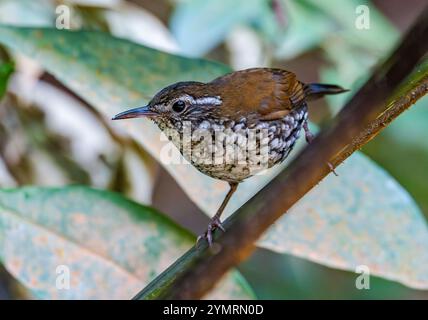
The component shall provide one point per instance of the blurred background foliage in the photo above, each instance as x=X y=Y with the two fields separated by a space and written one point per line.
x=50 y=136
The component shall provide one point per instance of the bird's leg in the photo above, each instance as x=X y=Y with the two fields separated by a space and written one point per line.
x=215 y=222
x=309 y=138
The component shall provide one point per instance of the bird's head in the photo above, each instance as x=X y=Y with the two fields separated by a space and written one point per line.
x=179 y=102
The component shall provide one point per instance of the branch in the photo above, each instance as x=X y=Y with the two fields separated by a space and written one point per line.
x=195 y=273
x=392 y=111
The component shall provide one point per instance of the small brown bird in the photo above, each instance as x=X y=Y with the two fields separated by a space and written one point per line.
x=235 y=125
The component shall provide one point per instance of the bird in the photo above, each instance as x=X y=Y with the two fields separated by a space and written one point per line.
x=235 y=126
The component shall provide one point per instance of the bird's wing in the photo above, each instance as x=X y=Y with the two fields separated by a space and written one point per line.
x=267 y=94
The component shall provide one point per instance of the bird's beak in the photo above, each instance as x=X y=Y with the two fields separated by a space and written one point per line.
x=135 y=113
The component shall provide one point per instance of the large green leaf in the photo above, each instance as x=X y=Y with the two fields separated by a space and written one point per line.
x=112 y=247
x=361 y=217
x=114 y=74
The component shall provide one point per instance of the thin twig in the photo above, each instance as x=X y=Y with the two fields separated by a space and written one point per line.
x=199 y=269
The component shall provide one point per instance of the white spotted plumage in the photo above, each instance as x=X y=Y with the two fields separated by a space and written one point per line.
x=285 y=133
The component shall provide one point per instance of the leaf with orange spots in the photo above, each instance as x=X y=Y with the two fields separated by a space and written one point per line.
x=82 y=243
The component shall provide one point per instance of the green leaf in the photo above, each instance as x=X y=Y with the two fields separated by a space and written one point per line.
x=297 y=278
x=301 y=36
x=6 y=71
x=114 y=74
x=378 y=38
x=111 y=246
x=361 y=217
x=200 y=25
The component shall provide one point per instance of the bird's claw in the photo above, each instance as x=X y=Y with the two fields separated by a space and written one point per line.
x=214 y=224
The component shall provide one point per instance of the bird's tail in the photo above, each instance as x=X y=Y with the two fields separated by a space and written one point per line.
x=317 y=90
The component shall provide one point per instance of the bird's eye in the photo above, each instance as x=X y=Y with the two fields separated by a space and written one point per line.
x=178 y=106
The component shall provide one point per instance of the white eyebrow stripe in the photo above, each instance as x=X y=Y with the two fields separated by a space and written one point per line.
x=213 y=100
x=216 y=101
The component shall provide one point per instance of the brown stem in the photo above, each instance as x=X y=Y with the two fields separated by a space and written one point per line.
x=362 y=118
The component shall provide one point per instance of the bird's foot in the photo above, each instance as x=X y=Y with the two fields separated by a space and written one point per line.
x=214 y=224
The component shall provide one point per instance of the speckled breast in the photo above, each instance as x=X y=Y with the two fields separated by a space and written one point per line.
x=233 y=151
